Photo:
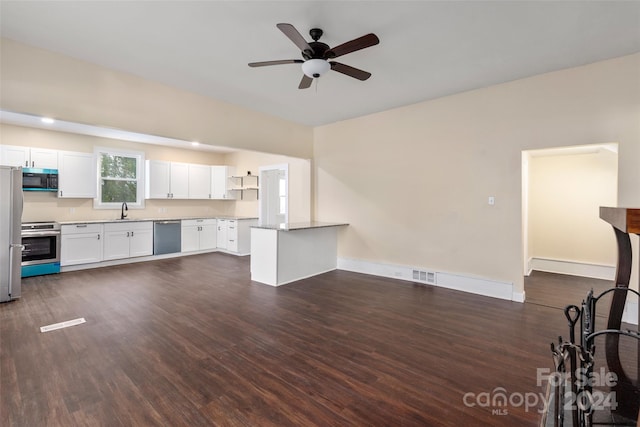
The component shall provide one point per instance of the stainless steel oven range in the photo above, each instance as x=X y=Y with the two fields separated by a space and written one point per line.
x=41 y=253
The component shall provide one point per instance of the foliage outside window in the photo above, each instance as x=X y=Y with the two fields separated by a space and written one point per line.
x=120 y=179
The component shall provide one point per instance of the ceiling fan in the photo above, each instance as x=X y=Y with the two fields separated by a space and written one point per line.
x=317 y=55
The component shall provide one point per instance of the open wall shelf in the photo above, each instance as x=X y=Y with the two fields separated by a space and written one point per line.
x=245 y=183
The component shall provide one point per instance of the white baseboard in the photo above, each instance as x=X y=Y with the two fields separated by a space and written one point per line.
x=630 y=313
x=574 y=268
x=518 y=296
x=474 y=285
x=529 y=269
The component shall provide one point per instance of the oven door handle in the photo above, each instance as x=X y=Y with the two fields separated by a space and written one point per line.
x=40 y=233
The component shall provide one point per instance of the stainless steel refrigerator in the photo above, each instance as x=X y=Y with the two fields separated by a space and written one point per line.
x=10 y=232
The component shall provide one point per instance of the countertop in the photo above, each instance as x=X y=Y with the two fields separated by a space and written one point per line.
x=104 y=221
x=293 y=226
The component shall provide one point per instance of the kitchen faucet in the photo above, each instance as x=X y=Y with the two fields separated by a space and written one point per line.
x=124 y=208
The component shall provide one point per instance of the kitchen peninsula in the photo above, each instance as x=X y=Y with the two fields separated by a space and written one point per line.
x=284 y=253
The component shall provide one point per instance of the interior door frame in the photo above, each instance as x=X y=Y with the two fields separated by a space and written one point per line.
x=262 y=193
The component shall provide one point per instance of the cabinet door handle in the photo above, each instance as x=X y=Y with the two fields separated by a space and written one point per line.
x=33 y=163
x=98 y=237
x=26 y=163
x=60 y=193
x=132 y=234
x=127 y=234
x=81 y=226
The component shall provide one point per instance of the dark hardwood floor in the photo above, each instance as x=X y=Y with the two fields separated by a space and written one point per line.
x=560 y=290
x=193 y=342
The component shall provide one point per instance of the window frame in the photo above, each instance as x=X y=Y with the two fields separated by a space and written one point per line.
x=140 y=177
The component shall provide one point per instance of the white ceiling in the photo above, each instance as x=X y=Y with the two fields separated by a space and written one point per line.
x=428 y=49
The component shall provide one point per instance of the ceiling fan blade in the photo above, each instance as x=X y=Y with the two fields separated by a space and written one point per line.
x=350 y=71
x=353 y=45
x=305 y=82
x=297 y=39
x=282 y=61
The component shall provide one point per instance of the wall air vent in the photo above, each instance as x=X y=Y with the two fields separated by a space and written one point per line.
x=431 y=277
x=423 y=276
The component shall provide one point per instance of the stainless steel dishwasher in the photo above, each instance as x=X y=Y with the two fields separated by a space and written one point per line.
x=166 y=237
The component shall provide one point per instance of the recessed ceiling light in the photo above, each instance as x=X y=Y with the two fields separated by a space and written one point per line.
x=195 y=143
x=47 y=120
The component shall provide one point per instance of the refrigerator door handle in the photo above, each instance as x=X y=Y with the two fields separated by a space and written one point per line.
x=12 y=248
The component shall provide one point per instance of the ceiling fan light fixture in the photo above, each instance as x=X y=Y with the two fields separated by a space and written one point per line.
x=315 y=68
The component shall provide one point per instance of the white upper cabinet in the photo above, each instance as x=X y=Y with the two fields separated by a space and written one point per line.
x=220 y=184
x=76 y=175
x=28 y=157
x=158 y=177
x=44 y=159
x=179 y=182
x=166 y=180
x=199 y=182
x=14 y=156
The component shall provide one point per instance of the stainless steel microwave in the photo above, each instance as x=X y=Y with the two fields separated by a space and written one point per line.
x=35 y=179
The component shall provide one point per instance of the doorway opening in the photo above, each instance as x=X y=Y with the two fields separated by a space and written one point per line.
x=567 y=248
x=274 y=194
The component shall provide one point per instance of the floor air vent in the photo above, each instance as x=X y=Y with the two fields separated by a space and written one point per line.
x=61 y=325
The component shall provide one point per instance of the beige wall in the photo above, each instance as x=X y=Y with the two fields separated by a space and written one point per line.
x=44 y=83
x=46 y=206
x=565 y=193
x=413 y=182
x=299 y=182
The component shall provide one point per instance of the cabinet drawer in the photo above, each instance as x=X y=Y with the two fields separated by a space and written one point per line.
x=81 y=229
x=129 y=226
x=232 y=244
x=232 y=230
x=191 y=222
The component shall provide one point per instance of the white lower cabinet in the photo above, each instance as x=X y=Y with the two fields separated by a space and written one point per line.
x=81 y=244
x=234 y=235
x=198 y=234
x=222 y=234
x=128 y=239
